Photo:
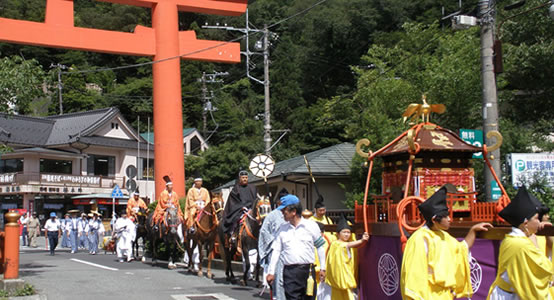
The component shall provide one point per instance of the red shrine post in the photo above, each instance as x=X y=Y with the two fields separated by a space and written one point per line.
x=162 y=41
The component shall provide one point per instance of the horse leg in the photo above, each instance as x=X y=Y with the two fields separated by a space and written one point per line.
x=245 y=265
x=190 y=254
x=154 y=254
x=258 y=269
x=170 y=264
x=209 y=252
x=200 y=274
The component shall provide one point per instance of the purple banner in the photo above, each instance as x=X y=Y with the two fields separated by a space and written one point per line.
x=483 y=263
x=379 y=268
x=380 y=261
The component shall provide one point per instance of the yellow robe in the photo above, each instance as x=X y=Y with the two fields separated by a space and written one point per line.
x=194 y=195
x=329 y=238
x=541 y=241
x=132 y=203
x=528 y=269
x=435 y=271
x=341 y=271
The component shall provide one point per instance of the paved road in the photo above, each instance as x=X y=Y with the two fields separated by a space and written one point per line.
x=82 y=276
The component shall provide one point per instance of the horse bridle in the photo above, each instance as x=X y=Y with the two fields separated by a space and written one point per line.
x=213 y=215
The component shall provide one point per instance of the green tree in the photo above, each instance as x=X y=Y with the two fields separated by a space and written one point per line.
x=21 y=82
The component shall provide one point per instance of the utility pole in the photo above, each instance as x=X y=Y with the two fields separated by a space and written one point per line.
x=247 y=30
x=488 y=79
x=207 y=106
x=60 y=67
x=205 y=98
x=267 y=125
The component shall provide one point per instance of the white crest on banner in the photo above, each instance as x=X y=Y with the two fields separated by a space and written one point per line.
x=387 y=269
x=476 y=273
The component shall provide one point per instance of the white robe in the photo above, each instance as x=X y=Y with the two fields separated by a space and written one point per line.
x=126 y=227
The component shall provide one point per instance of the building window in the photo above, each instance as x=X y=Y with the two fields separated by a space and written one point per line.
x=101 y=165
x=146 y=173
x=11 y=165
x=115 y=125
x=56 y=166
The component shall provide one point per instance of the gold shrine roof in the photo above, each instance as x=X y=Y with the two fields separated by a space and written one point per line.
x=431 y=137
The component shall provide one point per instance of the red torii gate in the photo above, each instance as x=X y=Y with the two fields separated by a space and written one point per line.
x=162 y=41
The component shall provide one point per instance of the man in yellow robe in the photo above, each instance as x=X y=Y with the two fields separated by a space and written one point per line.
x=342 y=263
x=168 y=198
x=197 y=198
x=524 y=272
x=134 y=204
x=435 y=265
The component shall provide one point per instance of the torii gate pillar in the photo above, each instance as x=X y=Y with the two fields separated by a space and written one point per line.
x=168 y=124
x=162 y=41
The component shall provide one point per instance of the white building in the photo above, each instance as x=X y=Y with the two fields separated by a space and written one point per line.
x=59 y=157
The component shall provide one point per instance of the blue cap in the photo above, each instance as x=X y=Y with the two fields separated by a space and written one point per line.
x=288 y=200
x=52 y=214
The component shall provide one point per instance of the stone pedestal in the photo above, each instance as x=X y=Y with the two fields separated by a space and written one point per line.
x=11 y=285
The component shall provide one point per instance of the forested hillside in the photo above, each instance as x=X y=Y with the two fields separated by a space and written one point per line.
x=344 y=70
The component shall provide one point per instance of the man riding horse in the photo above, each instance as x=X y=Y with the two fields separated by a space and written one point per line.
x=240 y=199
x=198 y=197
x=168 y=199
x=134 y=204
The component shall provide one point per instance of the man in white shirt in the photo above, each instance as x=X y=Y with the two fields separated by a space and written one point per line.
x=125 y=230
x=24 y=233
x=294 y=245
x=53 y=231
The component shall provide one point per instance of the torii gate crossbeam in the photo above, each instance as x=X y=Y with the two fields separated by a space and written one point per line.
x=162 y=41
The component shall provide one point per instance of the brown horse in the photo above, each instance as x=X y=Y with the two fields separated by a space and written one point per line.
x=203 y=234
x=248 y=238
x=249 y=231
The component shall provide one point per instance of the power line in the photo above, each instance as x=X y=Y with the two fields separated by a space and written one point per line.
x=297 y=14
x=196 y=51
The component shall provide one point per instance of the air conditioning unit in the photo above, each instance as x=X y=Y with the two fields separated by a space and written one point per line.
x=463 y=22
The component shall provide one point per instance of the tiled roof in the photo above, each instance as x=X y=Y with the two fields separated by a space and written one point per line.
x=330 y=161
x=61 y=129
x=23 y=130
x=69 y=126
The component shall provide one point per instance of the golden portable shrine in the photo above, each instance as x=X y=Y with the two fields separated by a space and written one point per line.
x=416 y=164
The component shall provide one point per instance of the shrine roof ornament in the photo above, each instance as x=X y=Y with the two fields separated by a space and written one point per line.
x=416 y=110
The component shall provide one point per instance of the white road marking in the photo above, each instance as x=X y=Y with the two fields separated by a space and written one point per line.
x=217 y=296
x=93 y=264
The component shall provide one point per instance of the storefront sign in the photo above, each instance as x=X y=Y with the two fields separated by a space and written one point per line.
x=88 y=180
x=7 y=178
x=526 y=167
